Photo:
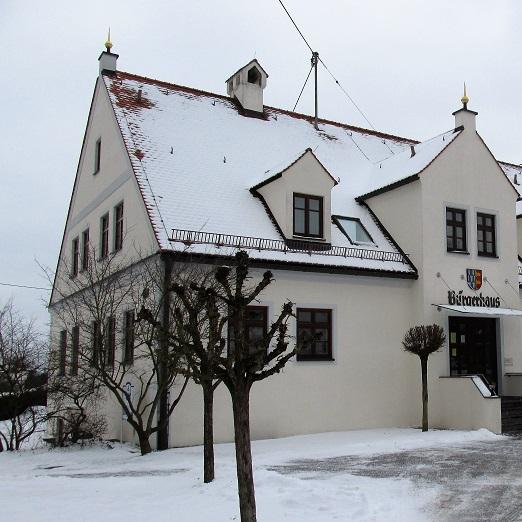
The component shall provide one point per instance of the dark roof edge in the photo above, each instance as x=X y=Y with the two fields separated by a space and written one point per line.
x=246 y=65
x=293 y=265
x=387 y=188
x=388 y=236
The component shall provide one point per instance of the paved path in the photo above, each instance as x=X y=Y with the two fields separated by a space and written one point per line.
x=478 y=482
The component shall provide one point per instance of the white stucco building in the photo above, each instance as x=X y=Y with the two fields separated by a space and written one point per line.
x=367 y=233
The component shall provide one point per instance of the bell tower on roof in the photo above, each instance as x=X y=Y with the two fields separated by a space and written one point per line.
x=246 y=86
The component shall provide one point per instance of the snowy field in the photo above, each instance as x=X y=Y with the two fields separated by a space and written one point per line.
x=332 y=476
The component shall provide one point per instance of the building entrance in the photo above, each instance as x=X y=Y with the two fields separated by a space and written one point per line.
x=473 y=347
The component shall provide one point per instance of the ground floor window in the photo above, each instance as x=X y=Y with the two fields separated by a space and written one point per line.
x=314 y=334
x=256 y=326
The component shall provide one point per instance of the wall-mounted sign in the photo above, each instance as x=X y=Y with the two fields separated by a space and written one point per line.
x=459 y=299
x=474 y=278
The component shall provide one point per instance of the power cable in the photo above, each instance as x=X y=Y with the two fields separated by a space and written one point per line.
x=304 y=85
x=295 y=25
x=25 y=286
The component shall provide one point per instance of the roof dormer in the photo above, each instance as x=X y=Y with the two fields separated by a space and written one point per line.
x=246 y=86
x=298 y=198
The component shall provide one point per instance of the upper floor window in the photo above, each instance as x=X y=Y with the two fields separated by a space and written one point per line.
x=104 y=236
x=314 y=334
x=128 y=340
x=62 y=353
x=308 y=215
x=85 y=249
x=97 y=156
x=118 y=227
x=75 y=349
x=456 y=230
x=353 y=229
x=75 y=257
x=486 y=240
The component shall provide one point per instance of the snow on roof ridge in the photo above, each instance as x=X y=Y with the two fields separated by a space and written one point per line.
x=268 y=108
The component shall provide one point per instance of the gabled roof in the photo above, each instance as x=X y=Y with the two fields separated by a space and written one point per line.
x=270 y=176
x=251 y=62
x=195 y=159
x=408 y=164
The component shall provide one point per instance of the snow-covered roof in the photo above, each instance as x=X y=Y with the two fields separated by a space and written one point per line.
x=196 y=159
x=410 y=162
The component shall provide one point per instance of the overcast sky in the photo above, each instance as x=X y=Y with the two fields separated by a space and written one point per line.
x=402 y=61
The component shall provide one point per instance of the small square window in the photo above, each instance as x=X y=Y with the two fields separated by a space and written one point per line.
x=256 y=326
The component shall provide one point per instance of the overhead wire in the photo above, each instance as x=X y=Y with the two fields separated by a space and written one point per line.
x=346 y=93
x=25 y=286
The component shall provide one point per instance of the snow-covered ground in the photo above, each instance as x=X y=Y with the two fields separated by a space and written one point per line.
x=99 y=483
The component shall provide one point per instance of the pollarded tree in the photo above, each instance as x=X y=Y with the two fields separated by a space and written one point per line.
x=423 y=341
x=244 y=362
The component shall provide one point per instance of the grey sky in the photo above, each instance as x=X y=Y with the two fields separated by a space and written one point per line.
x=403 y=62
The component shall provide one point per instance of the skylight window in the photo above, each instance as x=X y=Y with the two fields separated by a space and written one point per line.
x=353 y=229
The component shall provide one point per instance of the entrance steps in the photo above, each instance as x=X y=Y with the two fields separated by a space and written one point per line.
x=511 y=408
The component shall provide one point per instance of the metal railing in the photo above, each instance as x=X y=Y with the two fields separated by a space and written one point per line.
x=191 y=237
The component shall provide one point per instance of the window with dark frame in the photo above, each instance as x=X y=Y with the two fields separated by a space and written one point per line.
x=118 y=227
x=456 y=230
x=96 y=343
x=256 y=327
x=104 y=236
x=128 y=337
x=97 y=156
x=85 y=249
x=353 y=229
x=308 y=215
x=314 y=334
x=75 y=256
x=63 y=353
x=110 y=341
x=75 y=350
x=486 y=239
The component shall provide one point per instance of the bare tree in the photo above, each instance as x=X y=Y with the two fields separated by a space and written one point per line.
x=244 y=362
x=423 y=341
x=198 y=332
x=101 y=305
x=23 y=379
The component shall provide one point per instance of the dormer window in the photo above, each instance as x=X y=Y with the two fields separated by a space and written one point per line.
x=254 y=76
x=353 y=229
x=308 y=216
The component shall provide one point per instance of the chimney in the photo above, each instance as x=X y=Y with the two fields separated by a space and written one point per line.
x=107 y=59
x=465 y=117
x=246 y=86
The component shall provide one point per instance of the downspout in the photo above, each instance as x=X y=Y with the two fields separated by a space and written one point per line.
x=163 y=422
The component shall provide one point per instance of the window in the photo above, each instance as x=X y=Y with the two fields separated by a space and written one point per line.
x=486 y=241
x=63 y=352
x=97 y=156
x=96 y=342
x=308 y=215
x=314 y=334
x=456 y=230
x=75 y=350
x=75 y=256
x=128 y=340
x=110 y=341
x=253 y=76
x=118 y=227
x=353 y=229
x=104 y=236
x=85 y=249
x=256 y=326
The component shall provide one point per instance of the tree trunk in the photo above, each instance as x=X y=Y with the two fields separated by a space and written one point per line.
x=144 y=444
x=245 y=477
x=208 y=433
x=424 y=371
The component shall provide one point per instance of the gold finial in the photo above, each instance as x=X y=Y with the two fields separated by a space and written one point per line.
x=108 y=43
x=465 y=98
